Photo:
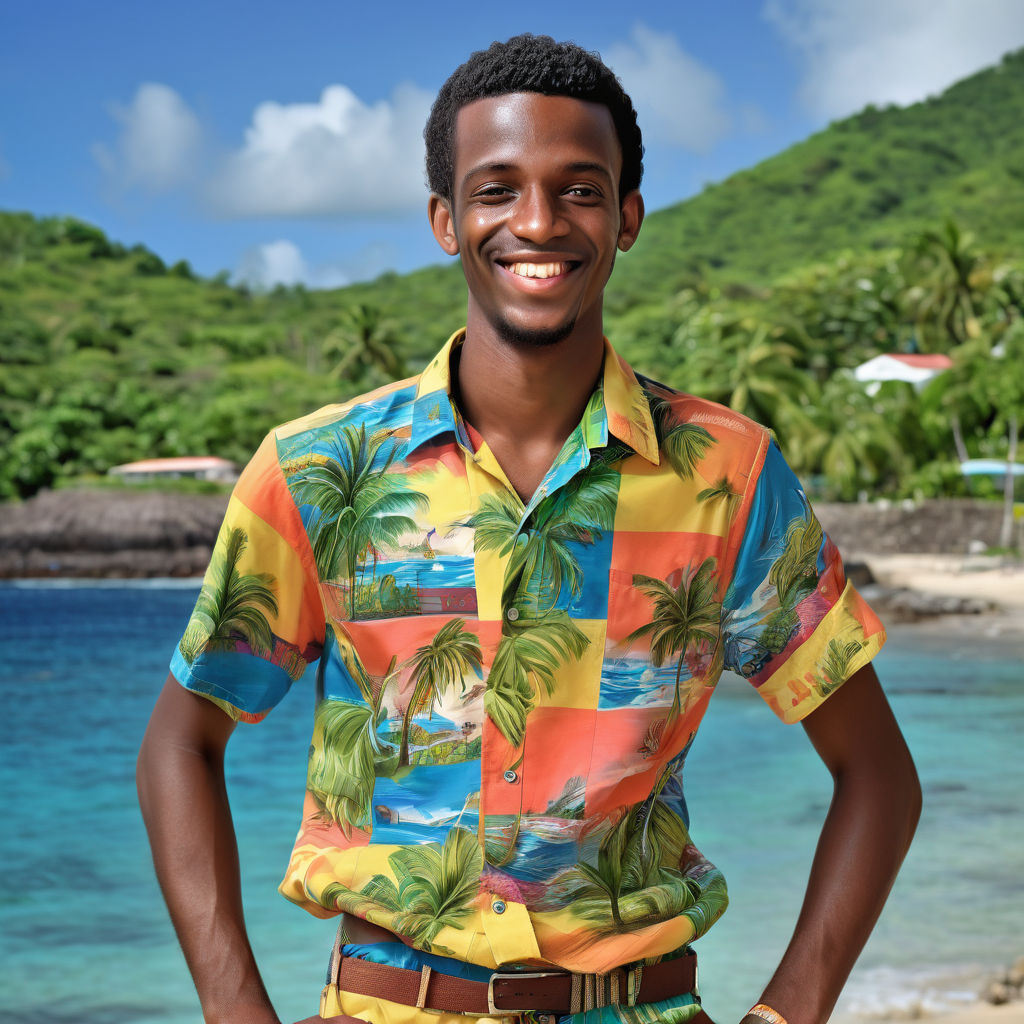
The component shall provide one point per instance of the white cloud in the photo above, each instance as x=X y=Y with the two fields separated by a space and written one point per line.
x=891 y=51
x=335 y=157
x=277 y=262
x=159 y=142
x=679 y=101
x=282 y=262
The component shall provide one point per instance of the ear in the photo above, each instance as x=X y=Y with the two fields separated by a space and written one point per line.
x=442 y=224
x=631 y=216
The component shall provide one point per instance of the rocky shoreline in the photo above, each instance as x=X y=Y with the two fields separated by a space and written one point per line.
x=124 y=534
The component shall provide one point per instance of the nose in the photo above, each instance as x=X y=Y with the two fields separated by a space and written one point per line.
x=536 y=217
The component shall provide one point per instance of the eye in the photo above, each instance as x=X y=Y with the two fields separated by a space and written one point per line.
x=492 y=192
x=583 y=192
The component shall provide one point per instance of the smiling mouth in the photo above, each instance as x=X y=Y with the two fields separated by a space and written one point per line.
x=540 y=271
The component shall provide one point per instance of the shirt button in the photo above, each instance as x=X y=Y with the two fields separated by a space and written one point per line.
x=498 y=906
x=510 y=776
x=512 y=614
x=544 y=1018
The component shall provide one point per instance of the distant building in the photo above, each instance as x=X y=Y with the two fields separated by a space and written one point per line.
x=195 y=467
x=916 y=369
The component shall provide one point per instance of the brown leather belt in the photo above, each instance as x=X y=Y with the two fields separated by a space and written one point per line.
x=511 y=992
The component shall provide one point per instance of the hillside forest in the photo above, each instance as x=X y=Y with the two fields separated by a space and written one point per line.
x=894 y=231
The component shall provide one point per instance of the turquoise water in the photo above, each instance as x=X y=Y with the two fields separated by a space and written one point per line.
x=84 y=936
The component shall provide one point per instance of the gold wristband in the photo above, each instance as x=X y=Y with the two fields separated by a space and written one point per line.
x=765 y=1012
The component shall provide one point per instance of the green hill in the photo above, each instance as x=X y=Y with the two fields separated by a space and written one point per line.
x=866 y=182
x=757 y=292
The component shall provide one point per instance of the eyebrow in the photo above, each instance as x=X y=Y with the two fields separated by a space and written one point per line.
x=577 y=167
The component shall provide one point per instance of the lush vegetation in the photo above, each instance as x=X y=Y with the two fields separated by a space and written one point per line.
x=894 y=230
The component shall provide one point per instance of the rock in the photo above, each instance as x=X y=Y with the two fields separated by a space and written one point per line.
x=997 y=993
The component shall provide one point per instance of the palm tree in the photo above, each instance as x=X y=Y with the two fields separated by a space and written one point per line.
x=952 y=277
x=528 y=655
x=436 y=884
x=541 y=562
x=365 y=341
x=344 y=751
x=231 y=604
x=684 y=444
x=684 y=617
x=721 y=490
x=360 y=505
x=835 y=666
x=437 y=666
x=636 y=877
x=340 y=776
x=794 y=574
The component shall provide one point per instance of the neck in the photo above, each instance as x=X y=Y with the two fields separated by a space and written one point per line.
x=534 y=396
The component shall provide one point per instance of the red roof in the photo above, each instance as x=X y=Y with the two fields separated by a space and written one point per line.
x=924 y=361
x=179 y=464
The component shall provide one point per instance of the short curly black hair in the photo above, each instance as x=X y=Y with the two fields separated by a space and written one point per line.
x=529 y=63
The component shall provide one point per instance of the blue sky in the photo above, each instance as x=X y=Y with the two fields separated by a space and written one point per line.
x=281 y=142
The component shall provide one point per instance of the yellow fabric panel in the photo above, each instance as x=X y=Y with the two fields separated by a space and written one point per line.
x=578 y=682
x=799 y=686
x=268 y=552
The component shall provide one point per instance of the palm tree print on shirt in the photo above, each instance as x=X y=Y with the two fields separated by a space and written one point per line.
x=345 y=753
x=794 y=574
x=360 y=506
x=686 y=619
x=433 y=888
x=436 y=667
x=684 y=444
x=541 y=566
x=637 y=877
x=231 y=604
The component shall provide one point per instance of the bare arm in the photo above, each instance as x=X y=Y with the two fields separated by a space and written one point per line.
x=875 y=806
x=180 y=777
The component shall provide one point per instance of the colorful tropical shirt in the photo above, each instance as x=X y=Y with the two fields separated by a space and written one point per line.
x=507 y=690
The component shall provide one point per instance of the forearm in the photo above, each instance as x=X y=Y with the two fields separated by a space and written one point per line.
x=856 y=862
x=185 y=807
x=875 y=806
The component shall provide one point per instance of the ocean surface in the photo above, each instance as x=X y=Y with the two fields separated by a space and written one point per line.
x=84 y=936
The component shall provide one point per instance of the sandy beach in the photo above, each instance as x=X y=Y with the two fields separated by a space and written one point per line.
x=994 y=580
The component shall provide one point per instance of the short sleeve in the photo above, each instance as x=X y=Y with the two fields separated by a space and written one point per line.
x=791 y=624
x=259 y=619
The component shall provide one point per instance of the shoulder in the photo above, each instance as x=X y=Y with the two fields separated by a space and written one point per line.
x=727 y=428
x=388 y=408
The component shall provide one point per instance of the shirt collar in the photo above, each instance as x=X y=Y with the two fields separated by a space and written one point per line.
x=619 y=406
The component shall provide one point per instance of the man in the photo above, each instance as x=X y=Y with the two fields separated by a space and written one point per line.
x=522 y=573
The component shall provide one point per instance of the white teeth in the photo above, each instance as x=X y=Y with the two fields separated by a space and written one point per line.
x=541 y=270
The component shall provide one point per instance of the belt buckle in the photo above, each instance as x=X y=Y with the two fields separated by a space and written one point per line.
x=495 y=1011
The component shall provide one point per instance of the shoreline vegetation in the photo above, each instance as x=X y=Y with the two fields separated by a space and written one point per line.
x=894 y=232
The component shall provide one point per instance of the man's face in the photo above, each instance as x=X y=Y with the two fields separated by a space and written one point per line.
x=535 y=213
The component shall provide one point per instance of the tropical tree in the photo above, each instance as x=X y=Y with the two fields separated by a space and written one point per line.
x=858 y=442
x=528 y=656
x=747 y=364
x=345 y=750
x=365 y=341
x=721 y=490
x=684 y=444
x=684 y=617
x=636 y=877
x=231 y=605
x=360 y=506
x=835 y=667
x=434 y=886
x=436 y=667
x=541 y=563
x=950 y=277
